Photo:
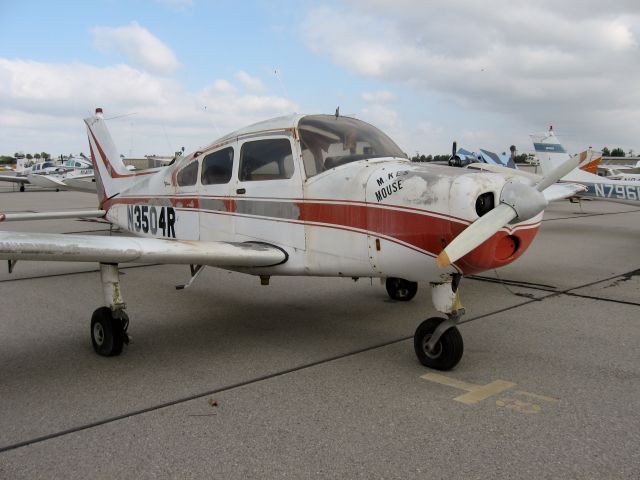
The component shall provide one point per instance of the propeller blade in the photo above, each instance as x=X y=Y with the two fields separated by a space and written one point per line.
x=454 y=148
x=476 y=233
x=558 y=173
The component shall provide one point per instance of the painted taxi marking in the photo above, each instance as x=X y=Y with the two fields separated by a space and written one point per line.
x=478 y=393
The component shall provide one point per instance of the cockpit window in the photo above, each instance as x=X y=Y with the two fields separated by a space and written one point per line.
x=188 y=175
x=269 y=159
x=328 y=141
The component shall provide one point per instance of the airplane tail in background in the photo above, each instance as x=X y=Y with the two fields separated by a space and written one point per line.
x=550 y=153
x=590 y=161
x=111 y=174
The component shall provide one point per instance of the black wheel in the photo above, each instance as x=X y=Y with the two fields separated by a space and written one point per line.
x=22 y=187
x=447 y=352
x=401 y=289
x=108 y=334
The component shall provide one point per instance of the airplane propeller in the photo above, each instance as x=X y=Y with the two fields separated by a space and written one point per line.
x=517 y=201
x=454 y=159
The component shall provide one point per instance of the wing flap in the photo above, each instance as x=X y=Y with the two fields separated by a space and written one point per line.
x=88 y=248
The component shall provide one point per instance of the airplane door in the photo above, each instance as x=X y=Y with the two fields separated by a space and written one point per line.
x=267 y=192
x=185 y=203
x=216 y=206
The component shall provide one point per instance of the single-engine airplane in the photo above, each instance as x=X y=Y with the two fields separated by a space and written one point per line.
x=320 y=195
x=73 y=174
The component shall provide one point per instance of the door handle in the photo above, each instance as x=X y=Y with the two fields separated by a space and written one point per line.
x=240 y=191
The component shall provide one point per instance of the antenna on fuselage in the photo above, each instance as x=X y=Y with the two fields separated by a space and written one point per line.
x=276 y=72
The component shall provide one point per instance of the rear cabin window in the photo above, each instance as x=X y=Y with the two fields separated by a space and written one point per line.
x=217 y=166
x=188 y=175
x=266 y=160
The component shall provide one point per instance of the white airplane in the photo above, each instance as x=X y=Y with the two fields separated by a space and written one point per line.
x=319 y=195
x=551 y=153
x=74 y=174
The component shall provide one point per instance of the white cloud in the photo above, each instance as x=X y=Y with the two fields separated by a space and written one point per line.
x=381 y=96
x=142 y=48
x=252 y=84
x=53 y=98
x=574 y=64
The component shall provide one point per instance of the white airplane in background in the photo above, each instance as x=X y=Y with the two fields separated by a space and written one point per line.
x=73 y=174
x=318 y=195
x=551 y=153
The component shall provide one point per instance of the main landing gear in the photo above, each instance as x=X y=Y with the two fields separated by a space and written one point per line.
x=401 y=289
x=437 y=341
x=109 y=324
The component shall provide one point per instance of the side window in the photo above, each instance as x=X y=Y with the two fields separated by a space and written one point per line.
x=216 y=167
x=188 y=175
x=266 y=160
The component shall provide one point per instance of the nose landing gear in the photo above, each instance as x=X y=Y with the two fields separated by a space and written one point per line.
x=437 y=341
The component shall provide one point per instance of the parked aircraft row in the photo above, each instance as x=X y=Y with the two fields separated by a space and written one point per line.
x=74 y=173
x=319 y=195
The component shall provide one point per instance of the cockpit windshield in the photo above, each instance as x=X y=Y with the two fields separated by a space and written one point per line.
x=328 y=141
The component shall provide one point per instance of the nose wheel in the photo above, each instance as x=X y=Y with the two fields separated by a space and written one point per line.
x=445 y=352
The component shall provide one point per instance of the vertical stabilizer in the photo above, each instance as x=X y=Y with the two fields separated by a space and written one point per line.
x=548 y=150
x=111 y=174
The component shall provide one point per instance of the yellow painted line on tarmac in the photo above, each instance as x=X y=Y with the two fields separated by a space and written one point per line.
x=536 y=396
x=484 y=392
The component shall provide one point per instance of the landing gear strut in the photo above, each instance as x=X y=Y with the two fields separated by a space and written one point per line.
x=437 y=341
x=109 y=324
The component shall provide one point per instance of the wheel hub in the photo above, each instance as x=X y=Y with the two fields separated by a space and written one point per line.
x=437 y=348
x=98 y=334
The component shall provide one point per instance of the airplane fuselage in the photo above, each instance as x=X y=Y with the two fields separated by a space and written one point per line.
x=378 y=217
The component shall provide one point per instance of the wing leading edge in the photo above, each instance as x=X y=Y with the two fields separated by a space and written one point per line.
x=88 y=248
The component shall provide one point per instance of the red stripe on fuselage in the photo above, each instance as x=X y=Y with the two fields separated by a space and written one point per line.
x=422 y=231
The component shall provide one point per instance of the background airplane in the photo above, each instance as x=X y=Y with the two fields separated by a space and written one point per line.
x=318 y=195
x=75 y=173
x=551 y=153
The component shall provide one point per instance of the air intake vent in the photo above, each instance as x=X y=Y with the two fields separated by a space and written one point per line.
x=484 y=203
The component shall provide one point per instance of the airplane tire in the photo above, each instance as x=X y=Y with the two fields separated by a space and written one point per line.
x=447 y=352
x=107 y=332
x=22 y=187
x=401 y=289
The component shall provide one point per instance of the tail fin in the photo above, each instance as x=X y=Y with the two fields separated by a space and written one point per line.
x=111 y=174
x=549 y=152
x=590 y=161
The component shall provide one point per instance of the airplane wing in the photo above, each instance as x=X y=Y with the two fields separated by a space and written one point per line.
x=13 y=217
x=557 y=191
x=88 y=248
x=14 y=179
x=488 y=167
x=560 y=191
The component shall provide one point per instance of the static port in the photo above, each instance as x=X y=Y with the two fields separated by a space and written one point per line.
x=485 y=203
x=507 y=247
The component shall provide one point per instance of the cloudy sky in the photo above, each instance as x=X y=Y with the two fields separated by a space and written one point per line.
x=173 y=73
